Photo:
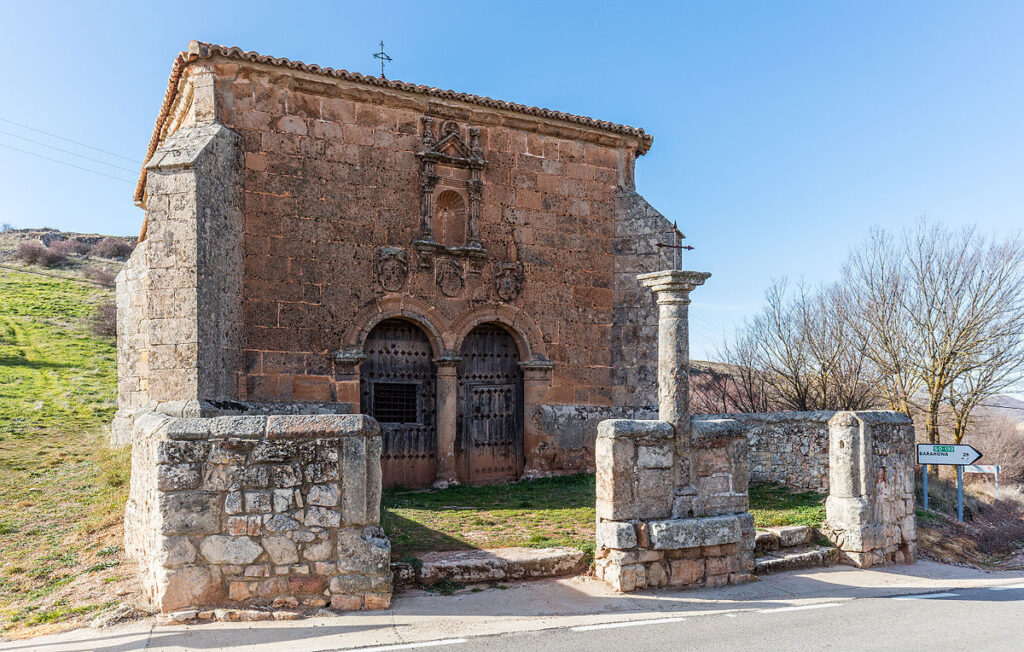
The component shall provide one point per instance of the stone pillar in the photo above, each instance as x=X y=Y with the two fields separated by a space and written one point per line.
x=346 y=377
x=672 y=289
x=447 y=415
x=536 y=381
x=869 y=513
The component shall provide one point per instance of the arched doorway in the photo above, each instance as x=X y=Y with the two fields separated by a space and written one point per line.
x=397 y=388
x=489 y=434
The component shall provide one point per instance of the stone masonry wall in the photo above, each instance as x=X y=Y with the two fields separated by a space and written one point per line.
x=643 y=540
x=788 y=448
x=639 y=227
x=870 y=508
x=258 y=511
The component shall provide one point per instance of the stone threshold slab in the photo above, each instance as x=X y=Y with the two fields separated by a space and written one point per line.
x=476 y=566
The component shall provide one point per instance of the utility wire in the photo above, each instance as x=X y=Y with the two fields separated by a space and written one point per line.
x=57 y=276
x=66 y=151
x=72 y=165
x=47 y=133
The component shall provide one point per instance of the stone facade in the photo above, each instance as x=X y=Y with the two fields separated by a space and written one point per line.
x=787 y=448
x=870 y=508
x=247 y=511
x=290 y=209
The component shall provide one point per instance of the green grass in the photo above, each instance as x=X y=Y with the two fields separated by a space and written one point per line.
x=773 y=505
x=59 y=484
x=537 y=514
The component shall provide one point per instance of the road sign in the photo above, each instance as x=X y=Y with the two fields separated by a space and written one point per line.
x=955 y=454
x=982 y=468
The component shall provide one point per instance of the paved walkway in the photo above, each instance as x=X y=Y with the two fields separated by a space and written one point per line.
x=419 y=617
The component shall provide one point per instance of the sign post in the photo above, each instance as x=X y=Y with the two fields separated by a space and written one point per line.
x=994 y=469
x=957 y=455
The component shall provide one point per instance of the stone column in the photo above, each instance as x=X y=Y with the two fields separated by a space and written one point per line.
x=672 y=289
x=447 y=415
x=346 y=377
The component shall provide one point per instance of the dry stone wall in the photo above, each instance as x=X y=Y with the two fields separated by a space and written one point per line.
x=258 y=510
x=788 y=448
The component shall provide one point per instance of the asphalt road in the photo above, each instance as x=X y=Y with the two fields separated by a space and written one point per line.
x=971 y=619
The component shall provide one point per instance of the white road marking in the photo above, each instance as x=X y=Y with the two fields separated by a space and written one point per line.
x=626 y=623
x=409 y=646
x=927 y=596
x=822 y=605
x=1006 y=588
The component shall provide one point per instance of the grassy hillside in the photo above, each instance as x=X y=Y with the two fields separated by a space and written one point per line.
x=61 y=489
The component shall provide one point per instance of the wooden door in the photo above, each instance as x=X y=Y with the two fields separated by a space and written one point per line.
x=489 y=433
x=397 y=387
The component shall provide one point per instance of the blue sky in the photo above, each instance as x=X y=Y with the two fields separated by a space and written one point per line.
x=782 y=130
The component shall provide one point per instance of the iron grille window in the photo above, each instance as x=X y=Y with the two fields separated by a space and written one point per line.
x=395 y=402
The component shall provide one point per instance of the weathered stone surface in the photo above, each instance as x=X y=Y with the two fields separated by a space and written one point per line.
x=472 y=566
x=220 y=549
x=281 y=549
x=612 y=534
x=693 y=532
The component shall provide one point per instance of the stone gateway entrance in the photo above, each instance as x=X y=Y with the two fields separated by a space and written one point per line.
x=489 y=440
x=398 y=390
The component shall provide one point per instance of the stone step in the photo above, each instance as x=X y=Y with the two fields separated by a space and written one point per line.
x=795 y=558
x=774 y=538
x=475 y=566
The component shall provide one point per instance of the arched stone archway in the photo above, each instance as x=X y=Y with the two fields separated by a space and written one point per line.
x=397 y=387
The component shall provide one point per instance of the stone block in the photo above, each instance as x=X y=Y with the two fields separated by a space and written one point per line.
x=176 y=477
x=281 y=549
x=190 y=513
x=618 y=535
x=694 y=532
x=685 y=571
x=221 y=549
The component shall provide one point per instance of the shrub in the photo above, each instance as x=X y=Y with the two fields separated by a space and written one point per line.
x=34 y=253
x=101 y=275
x=113 y=248
x=74 y=246
x=104 y=321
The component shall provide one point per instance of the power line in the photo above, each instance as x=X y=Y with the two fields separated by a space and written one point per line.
x=57 y=276
x=66 y=151
x=72 y=165
x=47 y=133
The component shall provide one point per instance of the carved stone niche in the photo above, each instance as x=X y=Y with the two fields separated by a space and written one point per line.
x=508 y=281
x=392 y=268
x=450 y=192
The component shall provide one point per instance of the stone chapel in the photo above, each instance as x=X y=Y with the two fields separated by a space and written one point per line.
x=460 y=268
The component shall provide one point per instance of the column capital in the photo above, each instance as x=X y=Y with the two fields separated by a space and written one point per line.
x=673 y=285
x=449 y=361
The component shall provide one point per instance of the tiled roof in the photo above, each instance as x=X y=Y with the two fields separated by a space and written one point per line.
x=198 y=50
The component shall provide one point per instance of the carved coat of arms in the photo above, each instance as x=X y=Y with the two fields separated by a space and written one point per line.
x=509 y=281
x=449 y=277
x=392 y=268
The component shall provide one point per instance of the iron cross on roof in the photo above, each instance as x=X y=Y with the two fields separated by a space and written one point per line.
x=681 y=247
x=383 y=56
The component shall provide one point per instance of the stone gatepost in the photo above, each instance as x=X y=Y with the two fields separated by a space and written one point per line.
x=870 y=507
x=672 y=504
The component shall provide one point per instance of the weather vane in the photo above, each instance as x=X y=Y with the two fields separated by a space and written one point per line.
x=680 y=247
x=383 y=56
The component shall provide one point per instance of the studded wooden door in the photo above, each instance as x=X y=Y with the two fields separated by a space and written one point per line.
x=489 y=434
x=397 y=387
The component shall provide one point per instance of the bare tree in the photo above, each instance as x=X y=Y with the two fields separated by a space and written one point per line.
x=874 y=281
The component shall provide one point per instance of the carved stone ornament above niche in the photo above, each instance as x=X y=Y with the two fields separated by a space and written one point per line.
x=392 y=268
x=460 y=197
x=508 y=281
x=449 y=277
